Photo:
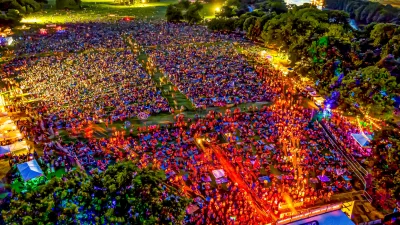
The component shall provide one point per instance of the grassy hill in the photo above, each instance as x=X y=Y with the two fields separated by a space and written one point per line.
x=103 y=10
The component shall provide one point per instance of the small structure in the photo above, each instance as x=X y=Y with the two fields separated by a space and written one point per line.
x=362 y=139
x=4 y=150
x=30 y=170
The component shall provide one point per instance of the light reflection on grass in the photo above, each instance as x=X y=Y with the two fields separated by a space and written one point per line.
x=108 y=11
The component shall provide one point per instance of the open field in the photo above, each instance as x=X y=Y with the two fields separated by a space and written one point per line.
x=107 y=10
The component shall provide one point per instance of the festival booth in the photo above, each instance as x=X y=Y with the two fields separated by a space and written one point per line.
x=30 y=170
x=5 y=120
x=220 y=176
x=4 y=150
x=7 y=127
x=11 y=136
x=18 y=146
x=362 y=139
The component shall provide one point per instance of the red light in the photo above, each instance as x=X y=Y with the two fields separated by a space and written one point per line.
x=127 y=19
x=43 y=31
x=58 y=28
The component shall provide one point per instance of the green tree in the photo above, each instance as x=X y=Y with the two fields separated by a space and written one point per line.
x=382 y=33
x=338 y=17
x=370 y=90
x=173 y=14
x=221 y=24
x=121 y=194
x=184 y=10
x=277 y=6
x=240 y=22
x=227 y=12
x=249 y=23
x=254 y=32
x=192 y=14
x=11 y=18
x=392 y=47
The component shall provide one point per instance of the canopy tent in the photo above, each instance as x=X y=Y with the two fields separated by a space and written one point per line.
x=19 y=145
x=5 y=149
x=362 y=139
x=7 y=127
x=11 y=135
x=30 y=170
x=218 y=173
x=5 y=120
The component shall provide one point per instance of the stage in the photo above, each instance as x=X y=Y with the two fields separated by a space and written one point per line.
x=336 y=217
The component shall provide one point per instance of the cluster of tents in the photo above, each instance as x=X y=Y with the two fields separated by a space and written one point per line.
x=9 y=131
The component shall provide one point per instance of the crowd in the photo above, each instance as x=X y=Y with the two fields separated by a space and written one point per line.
x=210 y=75
x=107 y=86
x=275 y=154
x=342 y=129
x=74 y=38
x=78 y=37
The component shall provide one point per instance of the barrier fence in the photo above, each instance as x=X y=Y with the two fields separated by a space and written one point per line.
x=358 y=170
x=310 y=213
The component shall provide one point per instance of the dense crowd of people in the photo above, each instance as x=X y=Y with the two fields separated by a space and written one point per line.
x=106 y=86
x=343 y=129
x=210 y=75
x=270 y=157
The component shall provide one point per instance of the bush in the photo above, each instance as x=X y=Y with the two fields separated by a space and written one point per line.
x=12 y=18
x=222 y=24
x=184 y=10
x=173 y=14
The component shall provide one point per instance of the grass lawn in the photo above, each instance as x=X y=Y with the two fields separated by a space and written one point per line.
x=20 y=186
x=107 y=10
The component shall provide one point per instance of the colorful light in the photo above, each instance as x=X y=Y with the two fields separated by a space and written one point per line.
x=43 y=31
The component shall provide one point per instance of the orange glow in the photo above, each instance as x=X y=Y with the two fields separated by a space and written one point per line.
x=259 y=207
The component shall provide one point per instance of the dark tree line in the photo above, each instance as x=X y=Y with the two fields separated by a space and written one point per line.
x=366 y=12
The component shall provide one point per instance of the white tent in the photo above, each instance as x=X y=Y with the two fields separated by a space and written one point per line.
x=7 y=127
x=30 y=170
x=11 y=135
x=362 y=139
x=19 y=145
x=218 y=173
x=5 y=120
x=5 y=149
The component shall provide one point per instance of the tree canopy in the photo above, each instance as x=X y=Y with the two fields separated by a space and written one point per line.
x=11 y=18
x=366 y=11
x=184 y=10
x=122 y=194
x=370 y=89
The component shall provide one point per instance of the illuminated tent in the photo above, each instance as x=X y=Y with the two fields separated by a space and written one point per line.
x=5 y=120
x=5 y=149
x=30 y=170
x=8 y=126
x=19 y=145
x=362 y=139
